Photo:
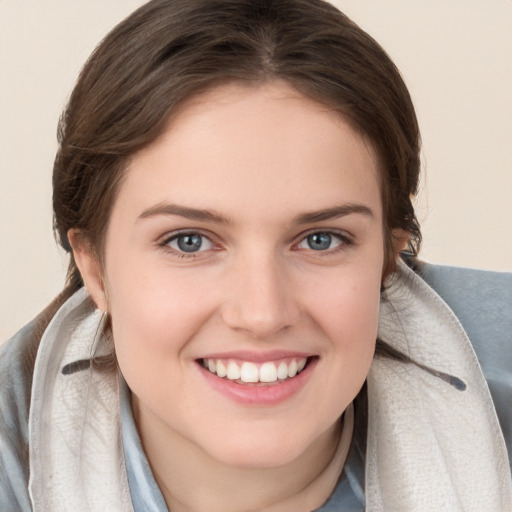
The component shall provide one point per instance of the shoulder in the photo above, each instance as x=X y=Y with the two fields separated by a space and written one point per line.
x=468 y=288
x=16 y=368
x=482 y=301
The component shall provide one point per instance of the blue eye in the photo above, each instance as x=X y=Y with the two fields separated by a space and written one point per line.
x=189 y=242
x=321 y=241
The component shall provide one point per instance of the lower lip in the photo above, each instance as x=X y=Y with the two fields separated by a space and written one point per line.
x=260 y=394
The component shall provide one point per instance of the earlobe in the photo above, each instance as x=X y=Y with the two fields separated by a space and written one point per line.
x=401 y=239
x=89 y=267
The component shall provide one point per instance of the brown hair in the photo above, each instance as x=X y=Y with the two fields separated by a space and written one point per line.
x=169 y=50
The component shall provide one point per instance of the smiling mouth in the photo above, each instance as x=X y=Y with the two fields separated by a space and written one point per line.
x=247 y=372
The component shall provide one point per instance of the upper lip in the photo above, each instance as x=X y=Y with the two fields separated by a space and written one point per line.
x=257 y=357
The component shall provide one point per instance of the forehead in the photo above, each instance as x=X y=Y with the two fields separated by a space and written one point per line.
x=240 y=146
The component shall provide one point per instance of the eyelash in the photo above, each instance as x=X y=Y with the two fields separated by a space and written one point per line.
x=345 y=242
x=164 y=244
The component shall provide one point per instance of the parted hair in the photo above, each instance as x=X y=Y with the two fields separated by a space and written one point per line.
x=169 y=50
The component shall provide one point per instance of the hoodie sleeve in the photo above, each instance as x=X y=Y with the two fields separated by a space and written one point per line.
x=16 y=367
x=482 y=301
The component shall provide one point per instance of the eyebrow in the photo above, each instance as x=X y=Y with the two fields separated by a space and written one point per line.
x=212 y=216
x=334 y=212
x=184 y=211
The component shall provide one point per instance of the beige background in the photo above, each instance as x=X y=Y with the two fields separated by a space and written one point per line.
x=455 y=55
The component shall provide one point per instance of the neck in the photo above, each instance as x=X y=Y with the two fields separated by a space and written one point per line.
x=192 y=481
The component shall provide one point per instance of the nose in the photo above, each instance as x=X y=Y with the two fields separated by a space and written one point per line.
x=260 y=300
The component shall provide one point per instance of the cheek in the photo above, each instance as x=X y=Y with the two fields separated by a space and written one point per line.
x=348 y=315
x=153 y=319
x=352 y=322
x=348 y=302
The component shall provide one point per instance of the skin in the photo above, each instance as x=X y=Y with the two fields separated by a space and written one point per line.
x=258 y=158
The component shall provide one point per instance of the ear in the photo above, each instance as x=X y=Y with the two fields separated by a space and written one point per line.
x=89 y=267
x=401 y=239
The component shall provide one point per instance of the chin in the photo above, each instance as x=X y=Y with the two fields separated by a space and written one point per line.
x=262 y=449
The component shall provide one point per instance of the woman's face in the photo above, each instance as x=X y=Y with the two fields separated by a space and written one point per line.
x=243 y=265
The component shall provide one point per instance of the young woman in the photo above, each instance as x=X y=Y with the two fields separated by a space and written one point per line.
x=238 y=332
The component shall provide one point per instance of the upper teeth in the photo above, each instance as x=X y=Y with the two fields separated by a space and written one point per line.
x=247 y=371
